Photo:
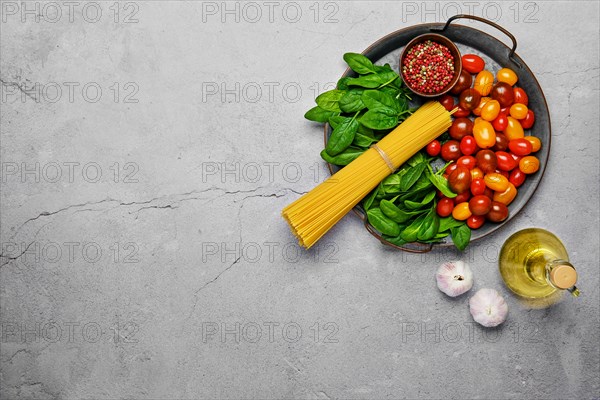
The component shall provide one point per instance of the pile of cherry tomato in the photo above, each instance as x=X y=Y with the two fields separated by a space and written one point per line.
x=491 y=155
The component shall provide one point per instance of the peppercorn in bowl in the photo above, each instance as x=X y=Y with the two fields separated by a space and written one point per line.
x=430 y=65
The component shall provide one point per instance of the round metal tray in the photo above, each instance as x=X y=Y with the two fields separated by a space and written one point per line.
x=496 y=55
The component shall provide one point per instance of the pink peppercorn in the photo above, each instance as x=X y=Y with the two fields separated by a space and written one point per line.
x=428 y=67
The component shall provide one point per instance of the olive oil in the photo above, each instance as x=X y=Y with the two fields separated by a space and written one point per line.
x=535 y=265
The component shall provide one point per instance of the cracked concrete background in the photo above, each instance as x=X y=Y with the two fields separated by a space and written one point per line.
x=147 y=149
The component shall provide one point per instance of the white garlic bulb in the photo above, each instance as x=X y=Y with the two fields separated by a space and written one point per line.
x=488 y=308
x=454 y=278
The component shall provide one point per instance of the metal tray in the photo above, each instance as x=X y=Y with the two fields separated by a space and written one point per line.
x=496 y=55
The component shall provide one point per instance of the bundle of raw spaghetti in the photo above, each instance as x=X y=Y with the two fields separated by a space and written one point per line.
x=313 y=214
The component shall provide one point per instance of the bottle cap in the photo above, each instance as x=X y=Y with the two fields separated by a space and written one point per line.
x=563 y=276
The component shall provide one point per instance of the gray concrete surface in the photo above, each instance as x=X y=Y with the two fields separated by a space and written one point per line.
x=144 y=256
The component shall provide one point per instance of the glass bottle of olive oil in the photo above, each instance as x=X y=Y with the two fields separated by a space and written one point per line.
x=535 y=265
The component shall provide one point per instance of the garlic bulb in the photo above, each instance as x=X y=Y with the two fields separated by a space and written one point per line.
x=454 y=278
x=488 y=308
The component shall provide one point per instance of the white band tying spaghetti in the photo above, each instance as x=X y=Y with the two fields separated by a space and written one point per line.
x=385 y=157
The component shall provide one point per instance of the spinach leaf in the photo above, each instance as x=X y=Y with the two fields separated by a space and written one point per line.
x=398 y=241
x=411 y=177
x=379 y=119
x=351 y=101
x=318 y=114
x=359 y=63
x=409 y=234
x=430 y=226
x=376 y=100
x=342 y=136
x=364 y=137
x=368 y=202
x=342 y=83
x=382 y=223
x=441 y=183
x=395 y=213
x=373 y=81
x=344 y=158
x=329 y=101
x=391 y=184
x=461 y=235
x=448 y=223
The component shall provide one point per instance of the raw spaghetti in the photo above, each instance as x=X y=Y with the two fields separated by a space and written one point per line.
x=313 y=214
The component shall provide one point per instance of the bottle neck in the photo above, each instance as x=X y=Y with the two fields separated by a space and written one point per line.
x=562 y=275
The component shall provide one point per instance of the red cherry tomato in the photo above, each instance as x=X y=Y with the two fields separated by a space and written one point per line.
x=468 y=162
x=515 y=157
x=460 y=179
x=462 y=197
x=460 y=128
x=520 y=147
x=447 y=101
x=500 y=123
x=503 y=173
x=473 y=63
x=450 y=168
x=475 y=221
x=469 y=99
x=444 y=207
x=451 y=150
x=528 y=121
x=478 y=186
x=503 y=92
x=486 y=160
x=480 y=205
x=464 y=82
x=461 y=112
x=520 y=96
x=434 y=148
x=468 y=146
x=505 y=161
x=517 y=177
x=488 y=192
x=498 y=212
x=501 y=142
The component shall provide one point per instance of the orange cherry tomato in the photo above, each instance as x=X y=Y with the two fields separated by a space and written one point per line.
x=497 y=182
x=490 y=110
x=482 y=103
x=518 y=111
x=461 y=211
x=536 y=143
x=484 y=82
x=520 y=96
x=476 y=173
x=484 y=133
x=513 y=130
x=507 y=196
x=529 y=164
x=507 y=75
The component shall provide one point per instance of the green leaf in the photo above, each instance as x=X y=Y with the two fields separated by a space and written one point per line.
x=448 y=223
x=318 y=114
x=413 y=205
x=329 y=101
x=385 y=67
x=351 y=101
x=368 y=202
x=427 y=199
x=376 y=119
x=336 y=120
x=342 y=84
x=359 y=63
x=391 y=184
x=441 y=183
x=409 y=234
x=430 y=226
x=415 y=160
x=373 y=81
x=382 y=223
x=364 y=137
x=411 y=177
x=461 y=236
x=376 y=100
x=344 y=158
x=395 y=213
x=341 y=137
x=398 y=241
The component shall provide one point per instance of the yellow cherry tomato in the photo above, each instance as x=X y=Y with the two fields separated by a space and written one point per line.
x=484 y=82
x=490 y=110
x=513 y=130
x=518 y=111
x=529 y=164
x=482 y=103
x=507 y=75
x=461 y=211
x=497 y=182
x=507 y=196
x=536 y=143
x=484 y=133
x=476 y=173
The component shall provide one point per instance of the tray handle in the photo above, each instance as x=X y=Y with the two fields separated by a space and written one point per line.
x=511 y=55
x=419 y=247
